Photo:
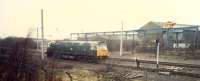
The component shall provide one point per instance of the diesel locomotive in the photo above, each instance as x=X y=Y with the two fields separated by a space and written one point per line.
x=89 y=50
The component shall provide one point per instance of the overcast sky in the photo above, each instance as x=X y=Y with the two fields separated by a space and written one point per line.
x=62 y=17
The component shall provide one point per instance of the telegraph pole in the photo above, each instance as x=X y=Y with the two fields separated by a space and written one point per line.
x=42 y=31
x=37 y=40
x=121 y=40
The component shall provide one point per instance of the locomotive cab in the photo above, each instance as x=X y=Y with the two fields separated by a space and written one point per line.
x=102 y=50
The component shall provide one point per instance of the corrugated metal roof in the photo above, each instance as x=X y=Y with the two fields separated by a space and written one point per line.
x=159 y=25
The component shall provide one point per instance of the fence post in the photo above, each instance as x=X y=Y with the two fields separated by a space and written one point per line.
x=137 y=63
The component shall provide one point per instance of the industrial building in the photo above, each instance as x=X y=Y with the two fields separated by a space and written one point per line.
x=170 y=34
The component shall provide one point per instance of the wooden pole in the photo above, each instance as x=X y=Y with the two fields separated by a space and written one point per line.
x=37 y=40
x=121 y=41
x=42 y=30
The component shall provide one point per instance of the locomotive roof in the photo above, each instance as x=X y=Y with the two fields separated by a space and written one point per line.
x=91 y=42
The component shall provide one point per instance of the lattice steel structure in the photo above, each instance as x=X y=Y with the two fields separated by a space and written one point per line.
x=178 y=36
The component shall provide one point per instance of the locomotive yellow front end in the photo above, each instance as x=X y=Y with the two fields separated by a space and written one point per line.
x=102 y=51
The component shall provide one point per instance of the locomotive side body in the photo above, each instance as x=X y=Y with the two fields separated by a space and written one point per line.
x=90 y=50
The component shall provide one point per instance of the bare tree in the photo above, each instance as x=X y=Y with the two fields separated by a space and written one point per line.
x=19 y=66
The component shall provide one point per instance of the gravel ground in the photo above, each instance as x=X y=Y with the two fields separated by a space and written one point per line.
x=95 y=69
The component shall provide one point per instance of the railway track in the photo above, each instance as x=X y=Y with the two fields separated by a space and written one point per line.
x=192 y=70
x=144 y=65
x=154 y=62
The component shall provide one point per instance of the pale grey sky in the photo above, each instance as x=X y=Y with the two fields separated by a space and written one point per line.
x=62 y=17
